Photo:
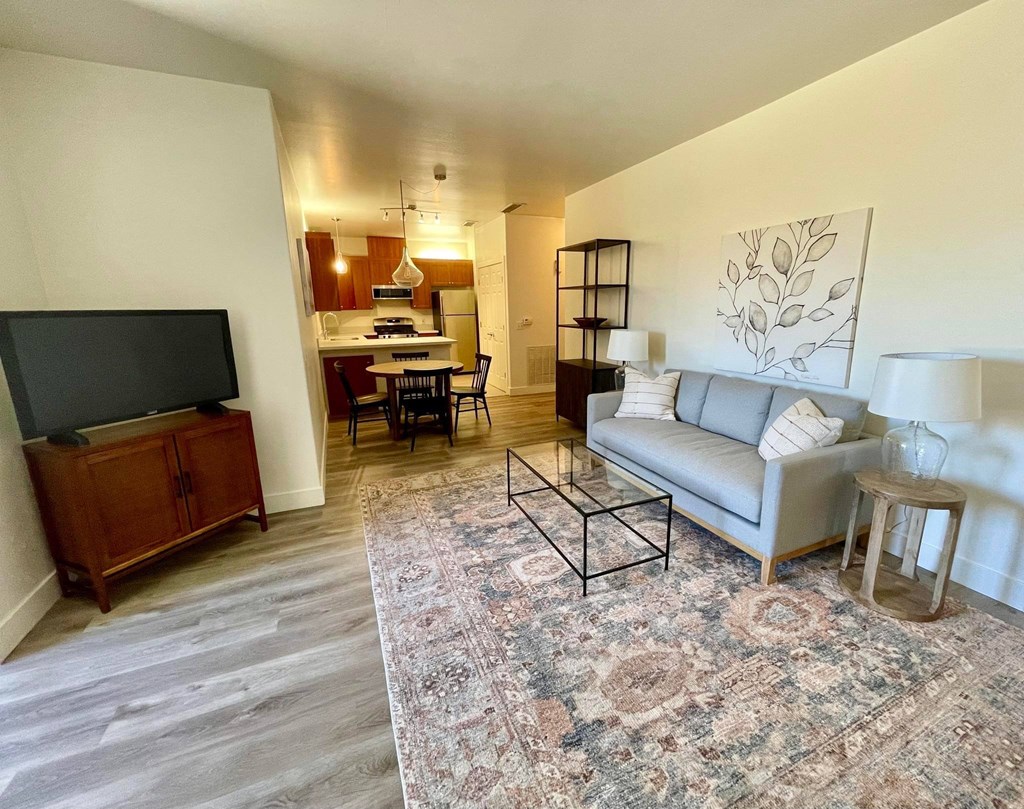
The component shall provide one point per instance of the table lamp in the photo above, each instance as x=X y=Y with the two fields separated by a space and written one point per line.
x=922 y=387
x=626 y=346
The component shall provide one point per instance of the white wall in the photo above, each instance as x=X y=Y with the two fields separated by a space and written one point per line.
x=929 y=134
x=531 y=242
x=309 y=327
x=28 y=586
x=144 y=190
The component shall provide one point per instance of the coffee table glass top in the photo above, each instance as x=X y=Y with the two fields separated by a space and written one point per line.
x=589 y=482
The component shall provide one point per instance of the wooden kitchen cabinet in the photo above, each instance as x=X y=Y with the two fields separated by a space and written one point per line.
x=323 y=278
x=381 y=270
x=355 y=369
x=359 y=269
x=141 y=490
x=385 y=247
x=461 y=273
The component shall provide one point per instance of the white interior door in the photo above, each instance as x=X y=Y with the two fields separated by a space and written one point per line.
x=493 y=315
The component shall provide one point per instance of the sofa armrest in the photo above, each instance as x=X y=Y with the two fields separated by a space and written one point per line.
x=807 y=496
x=602 y=406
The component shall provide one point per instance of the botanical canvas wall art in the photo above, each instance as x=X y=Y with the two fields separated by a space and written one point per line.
x=788 y=298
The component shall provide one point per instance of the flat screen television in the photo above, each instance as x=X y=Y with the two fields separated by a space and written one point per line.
x=72 y=369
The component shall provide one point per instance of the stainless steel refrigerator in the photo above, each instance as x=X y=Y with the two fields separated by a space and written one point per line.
x=455 y=317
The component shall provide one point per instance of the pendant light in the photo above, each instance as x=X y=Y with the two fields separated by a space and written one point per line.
x=340 y=265
x=406 y=274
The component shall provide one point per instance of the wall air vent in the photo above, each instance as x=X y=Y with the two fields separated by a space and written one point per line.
x=512 y=207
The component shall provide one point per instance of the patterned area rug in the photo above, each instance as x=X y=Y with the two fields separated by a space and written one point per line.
x=695 y=687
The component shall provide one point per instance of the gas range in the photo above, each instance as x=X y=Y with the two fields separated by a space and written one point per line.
x=393 y=328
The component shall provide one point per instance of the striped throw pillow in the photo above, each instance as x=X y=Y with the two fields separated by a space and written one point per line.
x=799 y=427
x=646 y=398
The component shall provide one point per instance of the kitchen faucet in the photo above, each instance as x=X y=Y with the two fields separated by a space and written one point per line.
x=324 y=322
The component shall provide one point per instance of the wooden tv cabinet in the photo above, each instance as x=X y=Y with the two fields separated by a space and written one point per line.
x=142 y=490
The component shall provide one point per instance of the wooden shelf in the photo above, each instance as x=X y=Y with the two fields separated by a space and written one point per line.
x=592 y=245
x=583 y=362
x=588 y=328
x=594 y=286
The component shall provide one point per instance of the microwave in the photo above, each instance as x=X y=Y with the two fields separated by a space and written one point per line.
x=391 y=292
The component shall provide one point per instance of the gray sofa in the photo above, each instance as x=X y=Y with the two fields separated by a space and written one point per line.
x=708 y=461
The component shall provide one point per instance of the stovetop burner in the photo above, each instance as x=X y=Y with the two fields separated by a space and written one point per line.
x=387 y=328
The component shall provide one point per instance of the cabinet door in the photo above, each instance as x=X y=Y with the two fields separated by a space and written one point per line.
x=362 y=382
x=462 y=273
x=440 y=273
x=139 y=499
x=359 y=269
x=385 y=247
x=381 y=270
x=346 y=289
x=324 y=279
x=218 y=470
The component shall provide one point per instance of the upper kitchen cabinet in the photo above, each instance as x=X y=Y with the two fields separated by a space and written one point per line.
x=461 y=273
x=359 y=270
x=385 y=247
x=323 y=278
x=381 y=270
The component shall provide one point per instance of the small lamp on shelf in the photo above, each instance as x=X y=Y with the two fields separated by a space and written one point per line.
x=922 y=387
x=626 y=346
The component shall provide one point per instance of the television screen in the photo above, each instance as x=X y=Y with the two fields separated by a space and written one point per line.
x=68 y=370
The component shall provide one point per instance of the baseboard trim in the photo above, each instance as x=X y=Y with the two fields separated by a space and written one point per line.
x=290 y=501
x=19 y=621
x=529 y=390
x=976 y=576
x=323 y=452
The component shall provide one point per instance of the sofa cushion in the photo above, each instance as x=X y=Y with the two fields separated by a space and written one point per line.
x=736 y=408
x=798 y=429
x=693 y=389
x=646 y=398
x=719 y=469
x=851 y=411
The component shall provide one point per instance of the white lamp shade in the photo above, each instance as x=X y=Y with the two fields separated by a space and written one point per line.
x=627 y=345
x=927 y=387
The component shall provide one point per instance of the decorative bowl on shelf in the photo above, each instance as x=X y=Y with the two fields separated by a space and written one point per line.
x=589 y=322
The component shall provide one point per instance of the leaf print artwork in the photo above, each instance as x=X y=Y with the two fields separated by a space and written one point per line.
x=788 y=298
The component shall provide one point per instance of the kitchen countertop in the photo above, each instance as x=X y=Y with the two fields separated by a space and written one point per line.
x=358 y=342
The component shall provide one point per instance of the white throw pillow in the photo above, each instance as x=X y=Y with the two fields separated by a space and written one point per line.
x=800 y=427
x=646 y=398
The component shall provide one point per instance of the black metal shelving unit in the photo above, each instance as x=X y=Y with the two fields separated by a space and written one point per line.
x=578 y=377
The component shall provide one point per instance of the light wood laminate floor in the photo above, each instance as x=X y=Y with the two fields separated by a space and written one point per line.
x=246 y=671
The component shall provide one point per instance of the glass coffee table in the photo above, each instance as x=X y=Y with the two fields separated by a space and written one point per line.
x=593 y=487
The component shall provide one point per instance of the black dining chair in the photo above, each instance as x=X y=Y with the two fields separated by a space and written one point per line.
x=409 y=388
x=475 y=392
x=436 y=404
x=358 y=405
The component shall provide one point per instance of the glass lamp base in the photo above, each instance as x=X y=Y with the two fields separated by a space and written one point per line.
x=620 y=377
x=913 y=454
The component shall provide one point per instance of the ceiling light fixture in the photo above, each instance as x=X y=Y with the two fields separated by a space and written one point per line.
x=406 y=274
x=340 y=265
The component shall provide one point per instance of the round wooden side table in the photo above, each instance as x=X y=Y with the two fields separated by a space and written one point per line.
x=898 y=592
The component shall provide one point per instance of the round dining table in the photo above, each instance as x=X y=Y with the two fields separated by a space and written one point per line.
x=391 y=371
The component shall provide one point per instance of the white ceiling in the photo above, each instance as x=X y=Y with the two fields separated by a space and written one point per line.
x=524 y=101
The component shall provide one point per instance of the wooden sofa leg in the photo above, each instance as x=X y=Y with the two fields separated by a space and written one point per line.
x=767 y=571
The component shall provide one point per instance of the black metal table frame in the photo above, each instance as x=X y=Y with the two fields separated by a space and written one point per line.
x=610 y=510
